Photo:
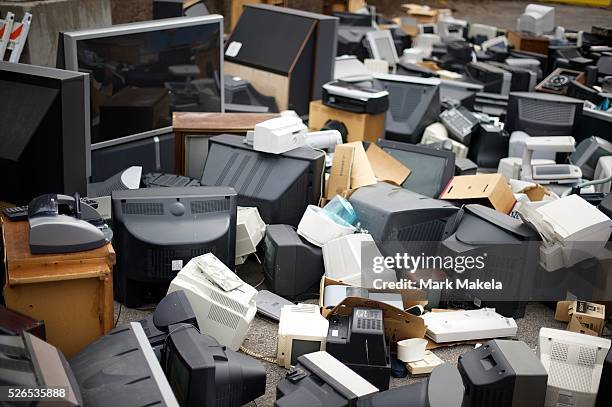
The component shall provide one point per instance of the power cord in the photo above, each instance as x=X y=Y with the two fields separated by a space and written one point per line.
x=118 y=315
x=587 y=184
x=256 y=355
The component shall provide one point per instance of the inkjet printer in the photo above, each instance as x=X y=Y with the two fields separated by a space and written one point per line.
x=355 y=97
x=65 y=224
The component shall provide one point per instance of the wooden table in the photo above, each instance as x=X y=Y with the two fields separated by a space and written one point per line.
x=208 y=125
x=72 y=292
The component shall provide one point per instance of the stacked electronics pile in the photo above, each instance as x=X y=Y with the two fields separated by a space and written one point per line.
x=524 y=115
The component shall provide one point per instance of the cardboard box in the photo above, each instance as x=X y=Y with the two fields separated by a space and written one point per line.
x=423 y=14
x=386 y=167
x=582 y=316
x=360 y=126
x=485 y=189
x=399 y=325
x=525 y=42
x=339 y=179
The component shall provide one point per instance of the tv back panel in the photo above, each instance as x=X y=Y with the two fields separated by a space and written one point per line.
x=543 y=114
x=120 y=369
x=44 y=142
x=281 y=186
x=587 y=155
x=301 y=330
x=158 y=230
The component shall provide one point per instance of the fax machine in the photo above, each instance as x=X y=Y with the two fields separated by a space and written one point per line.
x=65 y=224
x=355 y=97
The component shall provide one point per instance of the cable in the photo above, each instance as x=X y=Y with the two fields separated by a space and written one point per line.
x=587 y=184
x=118 y=315
x=260 y=282
x=322 y=171
x=258 y=356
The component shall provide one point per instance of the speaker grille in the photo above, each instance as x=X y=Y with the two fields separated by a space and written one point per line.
x=210 y=206
x=143 y=208
x=546 y=113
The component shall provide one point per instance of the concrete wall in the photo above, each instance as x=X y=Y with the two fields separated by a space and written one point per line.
x=52 y=16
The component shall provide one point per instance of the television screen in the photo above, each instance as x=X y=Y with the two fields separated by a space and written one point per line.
x=142 y=72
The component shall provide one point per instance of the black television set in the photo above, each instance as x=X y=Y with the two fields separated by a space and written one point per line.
x=511 y=249
x=120 y=369
x=506 y=371
x=351 y=41
x=291 y=264
x=203 y=373
x=431 y=169
x=541 y=58
x=414 y=103
x=44 y=141
x=29 y=362
x=459 y=91
x=577 y=90
x=443 y=388
x=523 y=80
x=139 y=74
x=353 y=19
x=158 y=230
x=493 y=78
x=281 y=186
x=593 y=122
x=543 y=114
x=399 y=219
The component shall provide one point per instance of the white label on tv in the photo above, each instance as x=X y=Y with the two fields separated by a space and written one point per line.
x=233 y=49
x=177 y=265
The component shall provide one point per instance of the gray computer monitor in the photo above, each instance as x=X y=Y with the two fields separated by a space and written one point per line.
x=587 y=154
x=414 y=103
x=430 y=169
x=401 y=220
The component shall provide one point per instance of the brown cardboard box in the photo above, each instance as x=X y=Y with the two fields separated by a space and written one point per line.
x=582 y=316
x=339 y=179
x=399 y=325
x=360 y=126
x=525 y=42
x=385 y=167
x=486 y=189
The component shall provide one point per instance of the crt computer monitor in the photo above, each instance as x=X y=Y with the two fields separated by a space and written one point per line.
x=158 y=230
x=120 y=369
x=414 y=103
x=203 y=373
x=543 y=114
x=291 y=264
x=399 y=219
x=44 y=141
x=493 y=78
x=431 y=169
x=27 y=361
x=141 y=72
x=281 y=186
x=587 y=154
x=382 y=46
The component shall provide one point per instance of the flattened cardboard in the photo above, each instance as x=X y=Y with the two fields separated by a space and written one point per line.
x=340 y=175
x=361 y=173
x=487 y=189
x=386 y=167
x=399 y=325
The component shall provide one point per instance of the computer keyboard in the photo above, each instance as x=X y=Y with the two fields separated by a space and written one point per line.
x=460 y=122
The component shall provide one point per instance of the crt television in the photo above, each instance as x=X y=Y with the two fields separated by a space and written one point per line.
x=44 y=141
x=203 y=373
x=141 y=72
x=120 y=369
x=158 y=230
x=281 y=186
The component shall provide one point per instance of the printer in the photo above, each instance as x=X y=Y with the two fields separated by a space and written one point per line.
x=65 y=224
x=567 y=240
x=279 y=135
x=355 y=97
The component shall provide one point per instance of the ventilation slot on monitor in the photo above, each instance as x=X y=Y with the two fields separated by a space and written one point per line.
x=240 y=170
x=226 y=169
x=211 y=206
x=536 y=111
x=227 y=302
x=422 y=232
x=160 y=263
x=223 y=316
x=569 y=372
x=16 y=365
x=142 y=208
